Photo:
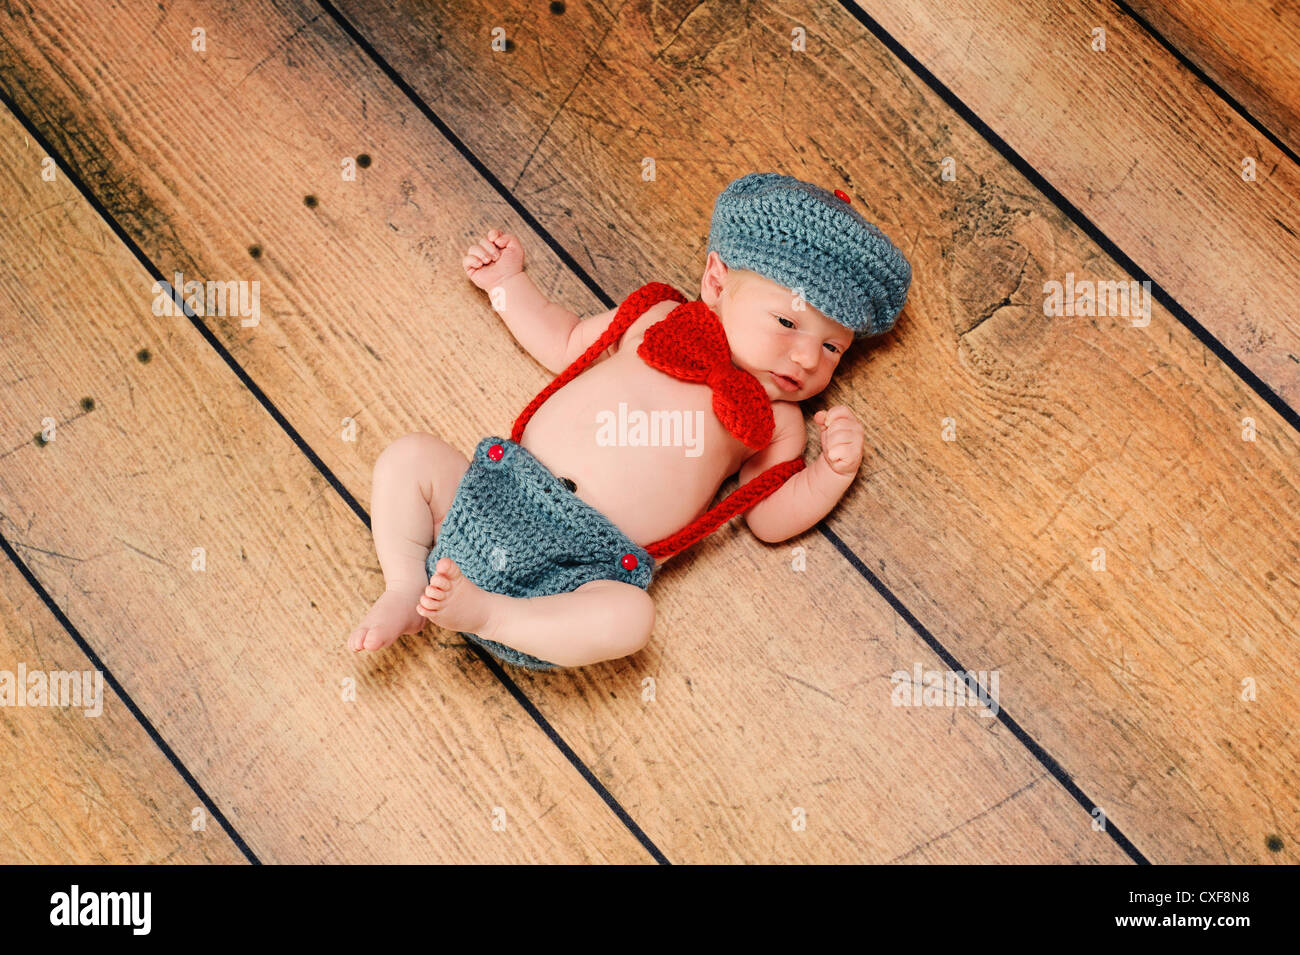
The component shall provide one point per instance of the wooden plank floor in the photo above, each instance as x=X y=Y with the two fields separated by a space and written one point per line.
x=229 y=659
x=1140 y=146
x=1075 y=434
x=1252 y=50
x=711 y=705
x=986 y=540
x=86 y=784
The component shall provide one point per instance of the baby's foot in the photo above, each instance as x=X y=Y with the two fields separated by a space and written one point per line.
x=394 y=613
x=452 y=601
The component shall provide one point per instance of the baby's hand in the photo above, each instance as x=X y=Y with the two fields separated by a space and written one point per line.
x=841 y=439
x=494 y=260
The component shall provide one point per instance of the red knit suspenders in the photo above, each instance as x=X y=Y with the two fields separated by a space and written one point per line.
x=633 y=307
x=738 y=501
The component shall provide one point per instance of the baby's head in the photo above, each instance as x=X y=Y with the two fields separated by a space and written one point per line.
x=795 y=275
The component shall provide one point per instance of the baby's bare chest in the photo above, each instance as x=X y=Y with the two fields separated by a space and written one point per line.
x=640 y=446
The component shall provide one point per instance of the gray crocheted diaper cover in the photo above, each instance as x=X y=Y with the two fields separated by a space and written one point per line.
x=514 y=528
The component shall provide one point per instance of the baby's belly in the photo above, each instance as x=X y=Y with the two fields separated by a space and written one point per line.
x=641 y=447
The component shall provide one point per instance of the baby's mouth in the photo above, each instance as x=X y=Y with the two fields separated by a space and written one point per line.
x=785 y=382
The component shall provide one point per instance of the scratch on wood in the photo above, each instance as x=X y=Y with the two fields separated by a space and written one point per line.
x=52 y=205
x=52 y=553
x=974 y=818
x=371 y=812
x=807 y=684
x=560 y=109
x=585 y=248
x=142 y=553
x=278 y=47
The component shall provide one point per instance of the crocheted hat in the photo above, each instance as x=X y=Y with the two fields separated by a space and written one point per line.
x=804 y=237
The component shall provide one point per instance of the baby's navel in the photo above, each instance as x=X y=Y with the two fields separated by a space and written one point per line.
x=569 y=484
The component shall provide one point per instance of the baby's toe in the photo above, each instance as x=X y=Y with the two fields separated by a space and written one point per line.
x=365 y=637
x=359 y=638
x=375 y=640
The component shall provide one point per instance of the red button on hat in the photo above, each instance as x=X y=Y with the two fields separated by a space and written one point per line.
x=629 y=561
x=495 y=452
x=840 y=195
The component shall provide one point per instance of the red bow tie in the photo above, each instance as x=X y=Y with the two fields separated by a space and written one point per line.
x=690 y=344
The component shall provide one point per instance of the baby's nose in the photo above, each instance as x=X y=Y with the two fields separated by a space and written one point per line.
x=804 y=354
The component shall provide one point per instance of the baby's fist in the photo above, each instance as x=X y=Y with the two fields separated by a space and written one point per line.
x=494 y=259
x=841 y=439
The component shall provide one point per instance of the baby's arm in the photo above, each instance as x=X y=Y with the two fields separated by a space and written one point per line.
x=806 y=498
x=544 y=328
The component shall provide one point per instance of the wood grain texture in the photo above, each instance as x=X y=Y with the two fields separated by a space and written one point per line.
x=1252 y=50
x=768 y=697
x=80 y=787
x=1135 y=142
x=313 y=754
x=1070 y=434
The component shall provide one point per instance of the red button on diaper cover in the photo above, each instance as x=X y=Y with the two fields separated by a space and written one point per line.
x=629 y=561
x=495 y=452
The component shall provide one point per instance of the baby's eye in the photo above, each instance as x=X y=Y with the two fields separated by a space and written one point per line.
x=834 y=349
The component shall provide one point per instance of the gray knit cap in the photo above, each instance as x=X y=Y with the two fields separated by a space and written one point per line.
x=802 y=236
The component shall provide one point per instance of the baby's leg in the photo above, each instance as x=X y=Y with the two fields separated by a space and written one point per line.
x=415 y=479
x=601 y=620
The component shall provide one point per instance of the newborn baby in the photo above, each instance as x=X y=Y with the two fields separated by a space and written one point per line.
x=544 y=544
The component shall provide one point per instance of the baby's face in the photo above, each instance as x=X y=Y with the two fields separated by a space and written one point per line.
x=769 y=337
